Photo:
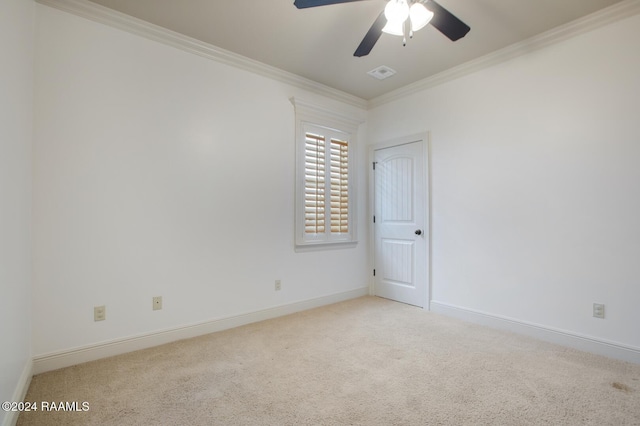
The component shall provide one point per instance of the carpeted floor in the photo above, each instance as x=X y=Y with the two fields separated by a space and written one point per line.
x=367 y=361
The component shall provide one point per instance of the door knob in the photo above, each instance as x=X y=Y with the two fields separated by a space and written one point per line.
x=418 y=232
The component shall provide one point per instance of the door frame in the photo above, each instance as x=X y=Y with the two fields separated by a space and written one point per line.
x=425 y=139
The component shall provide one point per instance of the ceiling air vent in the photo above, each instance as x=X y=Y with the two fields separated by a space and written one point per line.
x=382 y=72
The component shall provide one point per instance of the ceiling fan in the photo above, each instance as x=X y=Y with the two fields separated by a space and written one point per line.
x=402 y=17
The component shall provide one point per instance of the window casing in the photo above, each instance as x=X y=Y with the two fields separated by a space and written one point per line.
x=325 y=179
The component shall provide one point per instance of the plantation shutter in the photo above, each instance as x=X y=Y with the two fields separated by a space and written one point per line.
x=314 y=184
x=325 y=191
x=339 y=169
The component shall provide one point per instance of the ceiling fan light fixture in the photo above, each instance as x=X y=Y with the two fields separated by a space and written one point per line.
x=394 y=28
x=396 y=11
x=393 y=20
x=420 y=16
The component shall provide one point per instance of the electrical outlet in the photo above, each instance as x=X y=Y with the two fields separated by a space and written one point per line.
x=99 y=313
x=598 y=310
x=278 y=285
x=157 y=303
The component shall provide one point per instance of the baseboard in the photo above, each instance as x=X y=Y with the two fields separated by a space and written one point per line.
x=11 y=417
x=54 y=361
x=561 y=337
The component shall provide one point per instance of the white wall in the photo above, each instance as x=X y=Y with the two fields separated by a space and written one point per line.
x=162 y=173
x=17 y=18
x=151 y=165
x=536 y=184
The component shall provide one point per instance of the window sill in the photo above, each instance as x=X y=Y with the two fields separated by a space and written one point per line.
x=337 y=245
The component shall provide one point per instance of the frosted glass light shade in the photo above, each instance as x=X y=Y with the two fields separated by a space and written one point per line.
x=394 y=28
x=419 y=15
x=396 y=11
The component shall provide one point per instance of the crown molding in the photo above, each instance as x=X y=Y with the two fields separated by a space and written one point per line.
x=112 y=18
x=104 y=15
x=616 y=12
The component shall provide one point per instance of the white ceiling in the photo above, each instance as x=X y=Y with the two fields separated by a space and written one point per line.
x=318 y=43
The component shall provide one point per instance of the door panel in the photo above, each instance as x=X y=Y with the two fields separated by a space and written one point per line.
x=400 y=199
x=397 y=261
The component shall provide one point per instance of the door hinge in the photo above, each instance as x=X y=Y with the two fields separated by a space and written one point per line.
x=374 y=218
x=374 y=272
x=374 y=165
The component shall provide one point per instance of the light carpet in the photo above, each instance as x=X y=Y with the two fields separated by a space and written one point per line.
x=367 y=361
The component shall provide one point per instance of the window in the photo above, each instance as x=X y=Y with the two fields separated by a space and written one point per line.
x=326 y=157
x=325 y=191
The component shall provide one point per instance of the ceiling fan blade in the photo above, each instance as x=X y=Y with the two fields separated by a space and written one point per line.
x=303 y=4
x=372 y=36
x=446 y=22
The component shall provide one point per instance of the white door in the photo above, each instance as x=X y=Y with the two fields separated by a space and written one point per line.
x=401 y=223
